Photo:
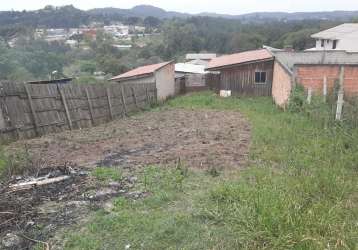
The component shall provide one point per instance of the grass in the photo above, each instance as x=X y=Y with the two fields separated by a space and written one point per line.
x=107 y=174
x=300 y=192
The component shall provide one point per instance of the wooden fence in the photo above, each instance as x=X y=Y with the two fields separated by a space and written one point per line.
x=31 y=110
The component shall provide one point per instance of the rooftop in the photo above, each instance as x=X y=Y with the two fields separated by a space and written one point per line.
x=190 y=68
x=290 y=59
x=337 y=32
x=240 y=58
x=141 y=71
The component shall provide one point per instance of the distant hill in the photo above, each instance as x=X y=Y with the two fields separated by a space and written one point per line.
x=69 y=16
x=137 y=11
x=329 y=15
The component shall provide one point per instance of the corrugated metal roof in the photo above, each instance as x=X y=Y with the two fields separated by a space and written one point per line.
x=190 y=68
x=199 y=62
x=337 y=32
x=141 y=71
x=200 y=56
x=289 y=59
x=239 y=58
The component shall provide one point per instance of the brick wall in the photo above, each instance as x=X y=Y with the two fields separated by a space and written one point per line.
x=311 y=76
x=281 y=85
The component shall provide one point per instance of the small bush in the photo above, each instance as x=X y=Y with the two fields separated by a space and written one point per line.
x=297 y=101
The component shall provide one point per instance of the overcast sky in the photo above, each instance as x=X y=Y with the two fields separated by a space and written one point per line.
x=194 y=6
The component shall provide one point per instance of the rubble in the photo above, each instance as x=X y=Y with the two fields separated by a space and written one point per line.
x=11 y=240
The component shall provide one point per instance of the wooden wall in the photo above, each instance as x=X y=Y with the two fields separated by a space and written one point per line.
x=31 y=110
x=241 y=79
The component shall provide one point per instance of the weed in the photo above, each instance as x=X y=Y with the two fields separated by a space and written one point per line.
x=107 y=174
x=299 y=193
x=213 y=172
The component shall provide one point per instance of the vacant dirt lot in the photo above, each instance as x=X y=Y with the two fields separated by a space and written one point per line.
x=199 y=139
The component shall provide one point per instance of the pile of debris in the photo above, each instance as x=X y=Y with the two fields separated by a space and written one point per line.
x=21 y=199
x=33 y=208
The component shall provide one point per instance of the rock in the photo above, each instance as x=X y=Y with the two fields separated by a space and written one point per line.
x=135 y=195
x=108 y=206
x=82 y=173
x=103 y=194
x=11 y=240
x=128 y=246
x=115 y=184
x=132 y=179
x=78 y=204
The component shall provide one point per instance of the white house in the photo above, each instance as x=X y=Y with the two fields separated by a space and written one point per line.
x=162 y=74
x=342 y=37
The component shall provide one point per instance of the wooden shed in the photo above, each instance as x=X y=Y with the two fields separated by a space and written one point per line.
x=162 y=74
x=247 y=73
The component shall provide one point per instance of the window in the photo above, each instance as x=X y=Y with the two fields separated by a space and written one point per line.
x=260 y=77
x=322 y=43
x=334 y=46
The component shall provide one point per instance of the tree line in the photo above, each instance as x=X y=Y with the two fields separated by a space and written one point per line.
x=36 y=59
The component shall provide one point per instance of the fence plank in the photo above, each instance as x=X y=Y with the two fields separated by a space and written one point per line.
x=109 y=103
x=134 y=98
x=90 y=108
x=64 y=102
x=34 y=115
x=123 y=101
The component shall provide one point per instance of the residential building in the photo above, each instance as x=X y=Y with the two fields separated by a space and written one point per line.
x=193 y=76
x=246 y=73
x=313 y=70
x=162 y=74
x=342 y=37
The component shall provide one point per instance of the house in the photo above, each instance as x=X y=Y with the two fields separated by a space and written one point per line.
x=162 y=74
x=199 y=59
x=342 y=37
x=313 y=70
x=246 y=73
x=193 y=76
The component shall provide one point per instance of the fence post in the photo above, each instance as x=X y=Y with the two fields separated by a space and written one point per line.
x=89 y=106
x=309 y=96
x=340 y=99
x=64 y=102
x=325 y=88
x=155 y=93
x=134 y=97
x=147 y=95
x=109 y=103
x=123 y=102
x=34 y=115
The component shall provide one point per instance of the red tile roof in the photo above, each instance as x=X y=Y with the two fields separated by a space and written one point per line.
x=141 y=71
x=239 y=58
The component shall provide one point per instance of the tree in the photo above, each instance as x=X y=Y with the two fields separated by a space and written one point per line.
x=152 y=22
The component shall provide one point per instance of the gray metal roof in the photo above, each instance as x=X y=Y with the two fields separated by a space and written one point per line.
x=289 y=59
x=337 y=32
x=201 y=56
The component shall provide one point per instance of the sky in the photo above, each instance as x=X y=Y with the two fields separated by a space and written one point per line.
x=193 y=6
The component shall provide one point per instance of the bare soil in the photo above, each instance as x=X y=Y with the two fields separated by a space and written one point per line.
x=201 y=139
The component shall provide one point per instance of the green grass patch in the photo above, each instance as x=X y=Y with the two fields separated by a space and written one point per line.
x=300 y=191
x=107 y=174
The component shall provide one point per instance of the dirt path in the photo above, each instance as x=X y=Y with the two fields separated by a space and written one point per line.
x=200 y=138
